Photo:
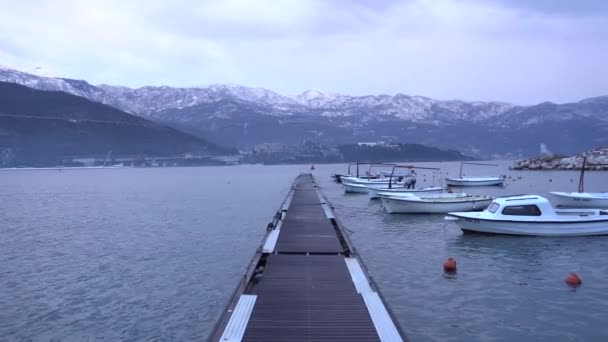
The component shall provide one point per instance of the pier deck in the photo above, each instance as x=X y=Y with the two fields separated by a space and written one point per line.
x=306 y=282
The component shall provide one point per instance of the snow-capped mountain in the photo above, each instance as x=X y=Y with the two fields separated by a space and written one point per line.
x=243 y=116
x=148 y=100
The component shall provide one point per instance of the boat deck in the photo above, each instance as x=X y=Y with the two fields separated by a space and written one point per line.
x=306 y=282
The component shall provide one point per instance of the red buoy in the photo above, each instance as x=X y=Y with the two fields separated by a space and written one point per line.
x=449 y=265
x=573 y=280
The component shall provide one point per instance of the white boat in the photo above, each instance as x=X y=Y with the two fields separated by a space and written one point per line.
x=597 y=200
x=474 y=181
x=581 y=199
x=365 y=181
x=353 y=188
x=532 y=215
x=374 y=190
x=433 y=204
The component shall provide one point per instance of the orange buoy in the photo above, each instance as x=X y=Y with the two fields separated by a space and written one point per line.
x=312 y=167
x=573 y=280
x=449 y=265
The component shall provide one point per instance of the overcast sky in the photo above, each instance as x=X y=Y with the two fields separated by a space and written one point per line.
x=509 y=50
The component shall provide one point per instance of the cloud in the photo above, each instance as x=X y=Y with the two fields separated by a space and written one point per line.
x=478 y=50
x=558 y=7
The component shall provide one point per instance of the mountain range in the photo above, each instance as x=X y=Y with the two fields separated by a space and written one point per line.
x=242 y=116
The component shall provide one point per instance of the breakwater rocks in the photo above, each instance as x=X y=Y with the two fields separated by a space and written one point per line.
x=598 y=156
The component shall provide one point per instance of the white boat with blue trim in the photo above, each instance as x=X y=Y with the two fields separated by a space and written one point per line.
x=532 y=215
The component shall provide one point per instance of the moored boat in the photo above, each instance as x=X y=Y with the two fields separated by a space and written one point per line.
x=354 y=188
x=532 y=215
x=581 y=199
x=374 y=190
x=474 y=181
x=598 y=200
x=358 y=180
x=368 y=174
x=433 y=203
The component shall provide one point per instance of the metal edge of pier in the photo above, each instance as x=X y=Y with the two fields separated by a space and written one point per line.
x=306 y=281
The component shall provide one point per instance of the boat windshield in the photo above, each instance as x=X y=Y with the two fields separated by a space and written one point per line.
x=493 y=207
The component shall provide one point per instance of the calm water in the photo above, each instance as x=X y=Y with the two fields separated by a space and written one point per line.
x=154 y=254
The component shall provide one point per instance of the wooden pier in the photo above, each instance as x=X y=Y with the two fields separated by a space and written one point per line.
x=306 y=282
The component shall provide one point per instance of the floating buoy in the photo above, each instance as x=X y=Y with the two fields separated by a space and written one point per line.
x=550 y=180
x=449 y=265
x=312 y=167
x=573 y=280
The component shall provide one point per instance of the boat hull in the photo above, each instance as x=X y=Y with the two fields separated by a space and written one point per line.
x=533 y=228
x=373 y=191
x=399 y=206
x=379 y=182
x=474 y=182
x=353 y=188
x=578 y=200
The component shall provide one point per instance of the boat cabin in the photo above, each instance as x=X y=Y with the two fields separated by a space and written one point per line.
x=531 y=207
x=521 y=206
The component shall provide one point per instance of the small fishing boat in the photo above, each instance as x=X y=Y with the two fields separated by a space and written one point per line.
x=532 y=215
x=374 y=191
x=433 y=203
x=474 y=181
x=354 y=188
x=364 y=181
x=369 y=175
x=338 y=176
x=581 y=199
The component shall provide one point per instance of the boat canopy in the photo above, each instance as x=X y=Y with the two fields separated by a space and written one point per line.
x=410 y=167
x=472 y=163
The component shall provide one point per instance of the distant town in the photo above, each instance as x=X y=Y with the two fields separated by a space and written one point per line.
x=266 y=153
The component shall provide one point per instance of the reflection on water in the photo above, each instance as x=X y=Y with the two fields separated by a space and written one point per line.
x=154 y=254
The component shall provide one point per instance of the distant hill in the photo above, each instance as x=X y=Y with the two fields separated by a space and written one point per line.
x=41 y=127
x=398 y=152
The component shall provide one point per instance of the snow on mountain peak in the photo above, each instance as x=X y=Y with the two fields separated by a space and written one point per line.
x=151 y=99
x=312 y=94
